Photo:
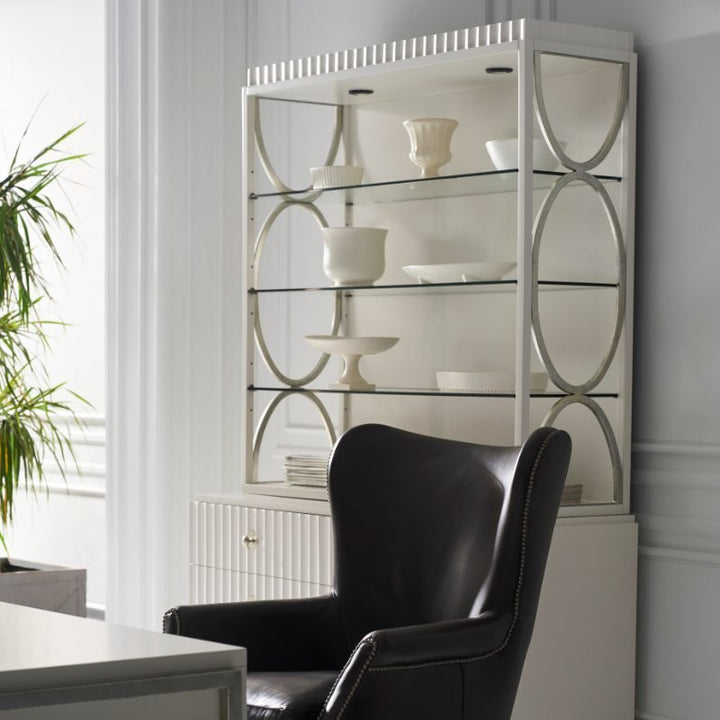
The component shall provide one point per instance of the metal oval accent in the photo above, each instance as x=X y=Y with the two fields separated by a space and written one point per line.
x=274 y=178
x=606 y=428
x=270 y=221
x=270 y=409
x=539 y=339
x=257 y=324
x=546 y=128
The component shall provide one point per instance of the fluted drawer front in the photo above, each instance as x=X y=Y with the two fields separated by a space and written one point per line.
x=290 y=552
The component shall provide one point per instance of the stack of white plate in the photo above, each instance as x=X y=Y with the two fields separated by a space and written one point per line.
x=306 y=470
x=572 y=495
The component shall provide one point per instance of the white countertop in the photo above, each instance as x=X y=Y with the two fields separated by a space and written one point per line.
x=46 y=649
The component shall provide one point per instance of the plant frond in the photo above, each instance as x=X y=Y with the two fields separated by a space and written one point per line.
x=34 y=414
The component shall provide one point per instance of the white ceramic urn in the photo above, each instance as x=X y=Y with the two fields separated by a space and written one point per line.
x=430 y=143
x=354 y=255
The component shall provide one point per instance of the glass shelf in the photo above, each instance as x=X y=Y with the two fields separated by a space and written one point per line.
x=450 y=287
x=418 y=392
x=446 y=186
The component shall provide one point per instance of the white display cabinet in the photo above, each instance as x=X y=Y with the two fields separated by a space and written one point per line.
x=564 y=311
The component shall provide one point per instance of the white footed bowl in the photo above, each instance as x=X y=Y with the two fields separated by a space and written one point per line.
x=351 y=349
x=330 y=176
x=504 y=154
x=353 y=255
x=430 y=143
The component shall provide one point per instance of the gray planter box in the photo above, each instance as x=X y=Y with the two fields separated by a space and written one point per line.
x=47 y=587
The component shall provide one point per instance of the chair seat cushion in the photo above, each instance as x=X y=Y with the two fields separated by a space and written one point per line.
x=288 y=695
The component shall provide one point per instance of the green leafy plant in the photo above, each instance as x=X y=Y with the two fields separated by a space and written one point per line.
x=34 y=412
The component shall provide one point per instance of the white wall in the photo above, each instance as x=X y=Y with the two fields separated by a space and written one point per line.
x=52 y=64
x=676 y=429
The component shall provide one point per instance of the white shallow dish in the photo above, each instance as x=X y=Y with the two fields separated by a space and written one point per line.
x=499 y=381
x=459 y=272
x=334 y=344
x=329 y=176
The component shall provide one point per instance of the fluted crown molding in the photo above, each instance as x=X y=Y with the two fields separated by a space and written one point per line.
x=456 y=41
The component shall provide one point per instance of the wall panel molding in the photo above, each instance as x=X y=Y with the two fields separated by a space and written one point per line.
x=676 y=497
x=86 y=475
x=682 y=556
x=678 y=634
x=669 y=448
x=74 y=490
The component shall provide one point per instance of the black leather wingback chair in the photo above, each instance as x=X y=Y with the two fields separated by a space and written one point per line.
x=440 y=550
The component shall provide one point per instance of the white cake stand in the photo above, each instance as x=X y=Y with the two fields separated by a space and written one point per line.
x=351 y=349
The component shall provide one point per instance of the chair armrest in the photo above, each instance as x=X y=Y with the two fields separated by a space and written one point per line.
x=297 y=634
x=441 y=641
x=426 y=658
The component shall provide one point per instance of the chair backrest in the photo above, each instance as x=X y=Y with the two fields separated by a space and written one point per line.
x=429 y=529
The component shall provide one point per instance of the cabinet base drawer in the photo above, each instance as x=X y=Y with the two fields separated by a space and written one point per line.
x=261 y=541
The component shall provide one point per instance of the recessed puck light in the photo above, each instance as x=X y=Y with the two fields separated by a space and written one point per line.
x=360 y=91
x=498 y=70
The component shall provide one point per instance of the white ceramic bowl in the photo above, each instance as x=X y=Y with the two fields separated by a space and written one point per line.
x=331 y=176
x=334 y=344
x=353 y=255
x=504 y=154
x=486 y=382
x=459 y=272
